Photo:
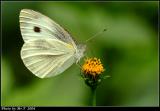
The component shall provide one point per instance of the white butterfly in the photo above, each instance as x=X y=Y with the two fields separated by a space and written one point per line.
x=48 y=49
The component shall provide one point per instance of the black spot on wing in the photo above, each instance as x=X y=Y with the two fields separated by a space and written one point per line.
x=37 y=29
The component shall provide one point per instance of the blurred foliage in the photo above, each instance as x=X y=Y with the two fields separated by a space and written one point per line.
x=128 y=50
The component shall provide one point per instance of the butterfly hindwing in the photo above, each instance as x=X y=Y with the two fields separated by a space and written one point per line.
x=47 y=57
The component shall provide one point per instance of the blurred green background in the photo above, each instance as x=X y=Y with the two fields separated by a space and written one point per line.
x=128 y=50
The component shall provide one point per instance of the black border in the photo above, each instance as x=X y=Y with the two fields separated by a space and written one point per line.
x=81 y=0
x=22 y=108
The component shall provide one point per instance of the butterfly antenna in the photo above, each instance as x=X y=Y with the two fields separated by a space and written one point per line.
x=96 y=35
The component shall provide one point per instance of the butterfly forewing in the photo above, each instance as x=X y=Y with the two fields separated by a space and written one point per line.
x=36 y=25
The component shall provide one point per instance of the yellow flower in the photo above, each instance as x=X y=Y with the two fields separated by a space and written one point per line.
x=93 y=67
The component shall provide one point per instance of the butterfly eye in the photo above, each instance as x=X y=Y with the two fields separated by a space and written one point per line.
x=37 y=29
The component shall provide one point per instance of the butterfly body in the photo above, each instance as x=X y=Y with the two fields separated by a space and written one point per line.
x=48 y=49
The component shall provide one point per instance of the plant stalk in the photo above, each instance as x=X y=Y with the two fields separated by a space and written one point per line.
x=93 y=96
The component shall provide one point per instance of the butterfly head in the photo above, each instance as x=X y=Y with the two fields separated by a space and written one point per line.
x=80 y=52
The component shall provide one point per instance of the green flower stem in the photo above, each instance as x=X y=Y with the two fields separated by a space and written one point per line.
x=93 y=96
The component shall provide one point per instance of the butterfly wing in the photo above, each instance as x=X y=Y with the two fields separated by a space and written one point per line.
x=48 y=49
x=35 y=25
x=47 y=57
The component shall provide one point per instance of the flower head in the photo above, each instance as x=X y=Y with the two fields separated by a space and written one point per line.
x=93 y=67
x=92 y=70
